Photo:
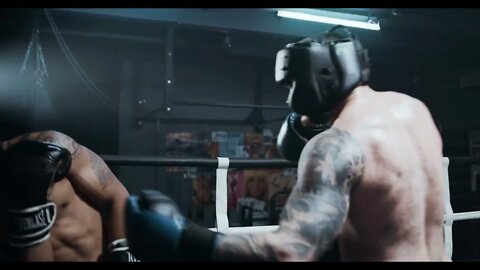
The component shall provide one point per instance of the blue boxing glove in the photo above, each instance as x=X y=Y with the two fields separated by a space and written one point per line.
x=157 y=231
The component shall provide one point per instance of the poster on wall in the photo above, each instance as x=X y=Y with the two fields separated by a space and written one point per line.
x=178 y=144
x=270 y=144
x=221 y=138
x=254 y=145
x=188 y=144
x=203 y=188
x=235 y=187
x=205 y=147
x=264 y=194
x=203 y=197
x=235 y=145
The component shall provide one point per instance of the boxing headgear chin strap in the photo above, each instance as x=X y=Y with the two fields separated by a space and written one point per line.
x=321 y=74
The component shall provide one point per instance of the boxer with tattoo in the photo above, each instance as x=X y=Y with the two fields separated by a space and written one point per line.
x=369 y=173
x=61 y=202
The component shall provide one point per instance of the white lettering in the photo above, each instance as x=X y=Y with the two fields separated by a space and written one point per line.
x=32 y=222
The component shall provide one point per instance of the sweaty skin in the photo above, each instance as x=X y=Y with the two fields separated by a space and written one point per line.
x=373 y=180
x=90 y=202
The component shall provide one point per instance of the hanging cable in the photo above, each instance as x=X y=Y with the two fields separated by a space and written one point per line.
x=83 y=76
x=104 y=98
x=40 y=71
x=27 y=54
x=77 y=68
x=70 y=55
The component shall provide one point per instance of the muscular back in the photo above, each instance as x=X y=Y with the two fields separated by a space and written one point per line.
x=396 y=211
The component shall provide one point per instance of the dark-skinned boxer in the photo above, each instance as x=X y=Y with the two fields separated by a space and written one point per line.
x=61 y=202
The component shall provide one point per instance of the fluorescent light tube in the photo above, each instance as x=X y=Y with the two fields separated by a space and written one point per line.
x=370 y=25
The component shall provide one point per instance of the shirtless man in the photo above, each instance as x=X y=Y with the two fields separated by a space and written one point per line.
x=372 y=179
x=61 y=202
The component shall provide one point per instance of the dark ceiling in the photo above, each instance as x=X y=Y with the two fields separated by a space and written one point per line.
x=440 y=44
x=429 y=37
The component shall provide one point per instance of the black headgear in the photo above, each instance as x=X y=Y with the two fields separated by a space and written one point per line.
x=320 y=75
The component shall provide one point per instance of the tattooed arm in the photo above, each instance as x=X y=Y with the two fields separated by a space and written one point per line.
x=91 y=177
x=330 y=165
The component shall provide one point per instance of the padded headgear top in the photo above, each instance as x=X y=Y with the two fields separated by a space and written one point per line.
x=321 y=74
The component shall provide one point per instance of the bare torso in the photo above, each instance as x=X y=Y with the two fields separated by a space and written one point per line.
x=396 y=211
x=77 y=232
x=89 y=206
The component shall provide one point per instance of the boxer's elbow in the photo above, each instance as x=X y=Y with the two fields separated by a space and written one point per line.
x=285 y=245
x=115 y=197
x=299 y=245
x=281 y=245
x=105 y=199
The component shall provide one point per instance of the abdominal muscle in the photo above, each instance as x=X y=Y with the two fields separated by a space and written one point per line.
x=77 y=232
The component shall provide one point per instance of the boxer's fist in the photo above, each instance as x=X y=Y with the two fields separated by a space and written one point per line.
x=157 y=231
x=29 y=169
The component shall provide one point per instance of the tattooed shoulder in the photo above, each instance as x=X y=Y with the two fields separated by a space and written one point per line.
x=60 y=139
x=336 y=157
x=102 y=172
x=331 y=165
x=49 y=136
x=313 y=216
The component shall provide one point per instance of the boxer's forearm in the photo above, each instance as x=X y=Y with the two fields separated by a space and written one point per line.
x=275 y=246
x=308 y=224
x=117 y=248
x=316 y=209
x=240 y=248
x=248 y=247
x=306 y=230
x=115 y=220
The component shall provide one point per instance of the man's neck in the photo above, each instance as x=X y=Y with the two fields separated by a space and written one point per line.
x=359 y=90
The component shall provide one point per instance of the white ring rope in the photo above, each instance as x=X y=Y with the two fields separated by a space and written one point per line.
x=466 y=215
x=223 y=226
x=221 y=200
x=449 y=215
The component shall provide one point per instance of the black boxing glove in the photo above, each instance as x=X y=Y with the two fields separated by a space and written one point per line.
x=293 y=136
x=30 y=169
x=118 y=251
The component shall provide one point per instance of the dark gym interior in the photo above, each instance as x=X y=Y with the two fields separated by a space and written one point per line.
x=134 y=81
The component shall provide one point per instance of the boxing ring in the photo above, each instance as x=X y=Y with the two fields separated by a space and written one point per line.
x=223 y=164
